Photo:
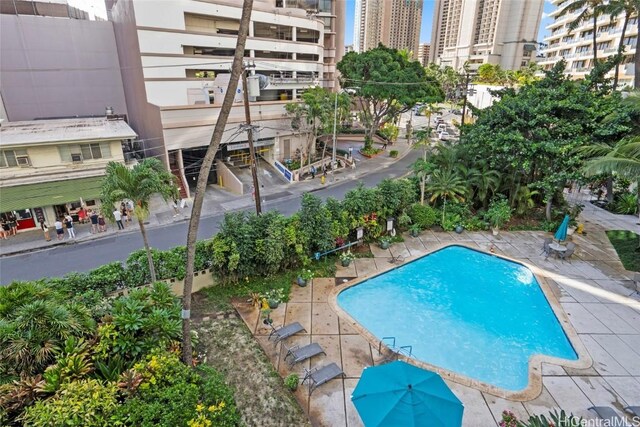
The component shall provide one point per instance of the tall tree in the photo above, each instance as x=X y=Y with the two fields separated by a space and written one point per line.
x=446 y=184
x=386 y=83
x=315 y=113
x=591 y=9
x=207 y=161
x=628 y=8
x=138 y=184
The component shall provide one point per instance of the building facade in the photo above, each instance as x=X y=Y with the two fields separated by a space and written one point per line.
x=502 y=32
x=176 y=62
x=423 y=53
x=394 y=23
x=576 y=47
x=56 y=65
x=52 y=167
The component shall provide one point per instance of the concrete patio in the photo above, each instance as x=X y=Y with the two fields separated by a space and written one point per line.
x=594 y=290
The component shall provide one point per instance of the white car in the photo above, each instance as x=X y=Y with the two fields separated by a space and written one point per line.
x=444 y=135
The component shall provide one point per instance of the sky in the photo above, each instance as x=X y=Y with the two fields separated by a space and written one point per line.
x=427 y=18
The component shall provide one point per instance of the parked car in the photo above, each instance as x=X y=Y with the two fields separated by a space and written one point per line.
x=444 y=135
x=458 y=112
x=441 y=127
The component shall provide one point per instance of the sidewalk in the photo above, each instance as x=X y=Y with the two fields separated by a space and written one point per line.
x=217 y=201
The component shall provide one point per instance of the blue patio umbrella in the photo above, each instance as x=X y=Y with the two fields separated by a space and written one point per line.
x=561 y=233
x=400 y=394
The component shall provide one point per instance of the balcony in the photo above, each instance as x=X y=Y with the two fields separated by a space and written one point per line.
x=275 y=81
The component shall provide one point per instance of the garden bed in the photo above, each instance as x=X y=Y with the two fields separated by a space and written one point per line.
x=260 y=395
x=626 y=243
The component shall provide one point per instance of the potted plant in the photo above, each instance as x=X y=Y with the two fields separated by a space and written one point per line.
x=385 y=242
x=304 y=277
x=459 y=228
x=266 y=312
x=291 y=381
x=498 y=214
x=274 y=297
x=346 y=258
x=414 y=230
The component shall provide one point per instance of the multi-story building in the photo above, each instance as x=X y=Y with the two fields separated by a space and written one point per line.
x=176 y=58
x=423 y=53
x=576 y=47
x=394 y=23
x=502 y=32
x=56 y=64
x=52 y=167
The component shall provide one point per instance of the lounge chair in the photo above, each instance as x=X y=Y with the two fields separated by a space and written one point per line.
x=607 y=413
x=286 y=331
x=571 y=248
x=299 y=354
x=546 y=250
x=320 y=375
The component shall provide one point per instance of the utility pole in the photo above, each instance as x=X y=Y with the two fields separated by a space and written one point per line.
x=252 y=150
x=335 y=122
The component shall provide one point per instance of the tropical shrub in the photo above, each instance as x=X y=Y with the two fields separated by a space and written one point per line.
x=34 y=320
x=397 y=195
x=423 y=216
x=145 y=319
x=626 y=204
x=315 y=225
x=499 y=212
x=86 y=402
x=172 y=394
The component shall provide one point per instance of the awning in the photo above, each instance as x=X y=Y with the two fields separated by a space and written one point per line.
x=49 y=193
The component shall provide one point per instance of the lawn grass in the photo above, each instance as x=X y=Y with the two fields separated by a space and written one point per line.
x=625 y=243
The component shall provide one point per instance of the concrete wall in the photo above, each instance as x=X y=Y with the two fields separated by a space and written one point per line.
x=144 y=117
x=58 y=67
x=229 y=180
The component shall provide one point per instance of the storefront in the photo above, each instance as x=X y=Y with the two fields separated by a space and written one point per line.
x=48 y=200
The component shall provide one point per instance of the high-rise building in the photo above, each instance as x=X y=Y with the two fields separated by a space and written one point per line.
x=502 y=32
x=394 y=23
x=176 y=57
x=576 y=47
x=423 y=53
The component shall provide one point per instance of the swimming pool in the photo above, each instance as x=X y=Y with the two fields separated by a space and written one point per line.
x=475 y=314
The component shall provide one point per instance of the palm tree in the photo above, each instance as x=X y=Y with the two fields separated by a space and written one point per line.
x=138 y=184
x=207 y=161
x=446 y=184
x=591 y=9
x=629 y=8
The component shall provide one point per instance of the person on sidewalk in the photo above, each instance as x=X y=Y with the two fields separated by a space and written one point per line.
x=59 y=228
x=129 y=204
x=5 y=230
x=13 y=223
x=68 y=222
x=118 y=217
x=313 y=172
x=174 y=205
x=93 y=217
x=102 y=224
x=45 y=229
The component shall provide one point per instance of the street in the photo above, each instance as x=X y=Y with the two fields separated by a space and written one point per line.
x=85 y=256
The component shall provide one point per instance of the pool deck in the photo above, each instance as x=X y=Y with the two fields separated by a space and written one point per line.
x=594 y=290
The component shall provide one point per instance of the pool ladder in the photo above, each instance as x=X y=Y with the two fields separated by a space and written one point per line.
x=405 y=350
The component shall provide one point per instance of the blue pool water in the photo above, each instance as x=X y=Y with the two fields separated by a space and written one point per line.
x=465 y=311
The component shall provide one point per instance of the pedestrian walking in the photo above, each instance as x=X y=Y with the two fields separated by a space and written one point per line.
x=68 y=222
x=4 y=229
x=384 y=146
x=174 y=205
x=313 y=172
x=102 y=224
x=82 y=215
x=13 y=223
x=118 y=217
x=93 y=217
x=45 y=229
x=351 y=152
x=129 y=204
x=123 y=212
x=59 y=228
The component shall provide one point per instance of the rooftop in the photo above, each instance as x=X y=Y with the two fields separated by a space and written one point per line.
x=63 y=130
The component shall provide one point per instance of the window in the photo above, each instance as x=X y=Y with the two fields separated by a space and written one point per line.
x=77 y=153
x=14 y=158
